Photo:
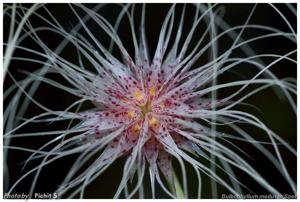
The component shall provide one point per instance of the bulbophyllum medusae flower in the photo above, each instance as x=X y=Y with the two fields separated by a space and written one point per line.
x=153 y=110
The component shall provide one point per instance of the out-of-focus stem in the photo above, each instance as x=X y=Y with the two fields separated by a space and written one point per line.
x=178 y=189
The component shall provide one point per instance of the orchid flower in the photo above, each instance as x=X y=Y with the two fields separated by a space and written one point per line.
x=160 y=107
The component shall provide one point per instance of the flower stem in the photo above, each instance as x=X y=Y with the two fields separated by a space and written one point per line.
x=178 y=189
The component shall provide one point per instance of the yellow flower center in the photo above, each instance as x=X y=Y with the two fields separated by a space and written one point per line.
x=153 y=122
x=138 y=95
x=152 y=91
x=145 y=109
x=131 y=114
x=136 y=129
